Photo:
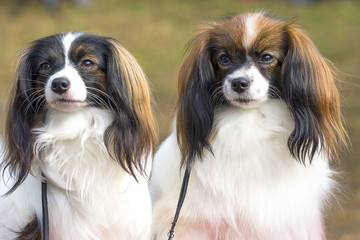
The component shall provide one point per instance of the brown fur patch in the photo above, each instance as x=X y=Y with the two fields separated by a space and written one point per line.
x=86 y=51
x=139 y=96
x=32 y=231
x=325 y=94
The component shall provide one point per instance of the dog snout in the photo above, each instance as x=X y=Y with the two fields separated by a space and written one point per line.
x=240 y=85
x=60 y=85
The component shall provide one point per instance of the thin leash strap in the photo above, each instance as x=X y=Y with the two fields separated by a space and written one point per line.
x=45 y=208
x=183 y=191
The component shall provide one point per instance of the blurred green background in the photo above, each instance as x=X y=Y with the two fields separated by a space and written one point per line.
x=156 y=32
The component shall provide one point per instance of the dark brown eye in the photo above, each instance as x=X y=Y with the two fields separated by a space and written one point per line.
x=87 y=63
x=45 y=67
x=224 y=60
x=267 y=58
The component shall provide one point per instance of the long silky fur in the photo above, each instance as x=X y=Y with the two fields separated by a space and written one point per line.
x=195 y=106
x=22 y=114
x=131 y=134
x=309 y=89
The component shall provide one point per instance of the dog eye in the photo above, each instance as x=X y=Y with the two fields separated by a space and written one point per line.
x=45 y=67
x=87 y=63
x=267 y=58
x=224 y=60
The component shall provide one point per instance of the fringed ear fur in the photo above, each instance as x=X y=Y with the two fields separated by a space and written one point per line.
x=309 y=89
x=131 y=136
x=195 y=110
x=21 y=116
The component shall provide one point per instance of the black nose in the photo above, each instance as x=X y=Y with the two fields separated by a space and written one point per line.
x=239 y=85
x=60 y=85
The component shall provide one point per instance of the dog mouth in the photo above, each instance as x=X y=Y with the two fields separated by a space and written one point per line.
x=67 y=104
x=68 y=101
x=243 y=101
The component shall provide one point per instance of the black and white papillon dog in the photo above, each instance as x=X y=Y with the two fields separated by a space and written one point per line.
x=258 y=121
x=80 y=115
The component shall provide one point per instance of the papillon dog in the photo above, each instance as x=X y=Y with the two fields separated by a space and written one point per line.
x=257 y=122
x=80 y=119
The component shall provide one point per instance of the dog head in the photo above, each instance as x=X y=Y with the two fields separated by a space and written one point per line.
x=72 y=71
x=243 y=61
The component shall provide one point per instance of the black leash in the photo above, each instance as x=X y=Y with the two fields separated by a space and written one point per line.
x=45 y=211
x=183 y=191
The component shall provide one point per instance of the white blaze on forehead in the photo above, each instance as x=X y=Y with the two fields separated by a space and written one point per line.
x=251 y=31
x=67 y=40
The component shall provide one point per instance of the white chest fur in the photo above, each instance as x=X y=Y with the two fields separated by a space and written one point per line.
x=90 y=196
x=251 y=188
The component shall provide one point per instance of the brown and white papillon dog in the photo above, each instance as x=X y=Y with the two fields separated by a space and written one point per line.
x=80 y=114
x=258 y=120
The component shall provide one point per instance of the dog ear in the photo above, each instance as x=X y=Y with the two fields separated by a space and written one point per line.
x=195 y=110
x=22 y=111
x=309 y=89
x=131 y=136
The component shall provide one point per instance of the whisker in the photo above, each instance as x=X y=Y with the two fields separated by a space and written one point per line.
x=217 y=93
x=98 y=100
x=41 y=103
x=111 y=99
x=274 y=92
x=31 y=103
x=31 y=80
x=28 y=98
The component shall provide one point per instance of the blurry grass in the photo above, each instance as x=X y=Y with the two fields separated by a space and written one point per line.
x=156 y=32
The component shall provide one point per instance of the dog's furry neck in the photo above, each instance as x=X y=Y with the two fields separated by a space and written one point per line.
x=70 y=150
x=83 y=180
